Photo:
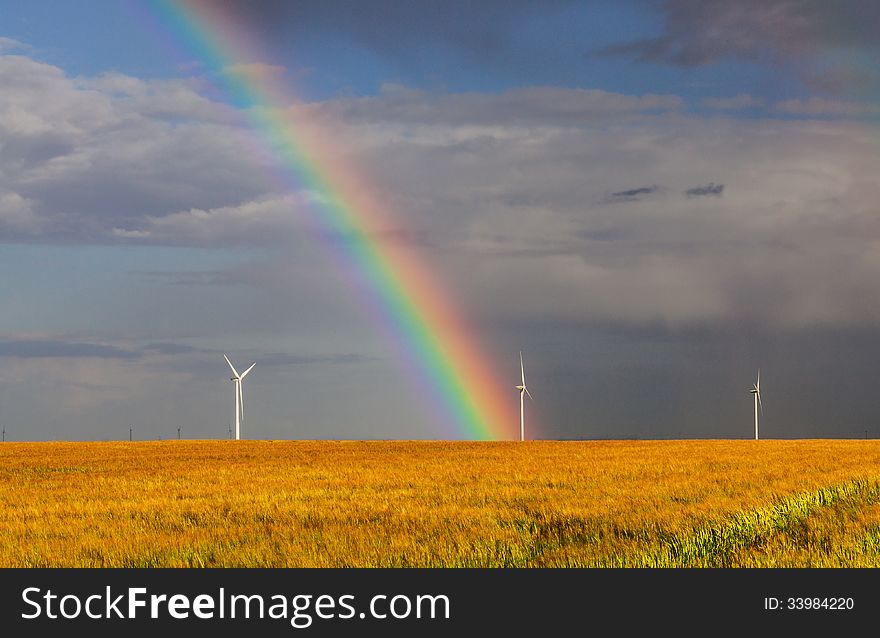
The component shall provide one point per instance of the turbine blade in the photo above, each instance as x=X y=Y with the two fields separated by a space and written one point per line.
x=231 y=366
x=758 y=384
x=522 y=368
x=245 y=373
x=529 y=393
x=240 y=402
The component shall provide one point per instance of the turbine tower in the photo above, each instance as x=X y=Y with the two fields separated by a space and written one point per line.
x=523 y=390
x=239 y=399
x=756 y=390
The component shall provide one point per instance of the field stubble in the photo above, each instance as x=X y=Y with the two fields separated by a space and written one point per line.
x=383 y=504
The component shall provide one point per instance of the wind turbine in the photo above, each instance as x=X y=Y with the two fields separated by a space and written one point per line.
x=523 y=390
x=756 y=390
x=239 y=399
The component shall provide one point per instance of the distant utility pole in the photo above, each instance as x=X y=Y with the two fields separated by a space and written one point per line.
x=4 y=434
x=130 y=430
x=178 y=432
x=230 y=431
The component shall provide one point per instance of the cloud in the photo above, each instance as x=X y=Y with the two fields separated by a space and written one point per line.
x=262 y=221
x=504 y=195
x=172 y=101
x=698 y=33
x=839 y=79
x=192 y=278
x=75 y=149
x=17 y=214
x=284 y=360
x=735 y=103
x=816 y=106
x=265 y=359
x=171 y=348
x=82 y=156
x=64 y=348
x=520 y=106
x=633 y=194
x=709 y=190
x=765 y=31
x=10 y=44
x=56 y=348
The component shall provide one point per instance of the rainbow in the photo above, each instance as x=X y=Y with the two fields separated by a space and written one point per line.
x=409 y=302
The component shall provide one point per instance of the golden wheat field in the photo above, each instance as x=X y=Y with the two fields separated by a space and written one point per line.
x=349 y=503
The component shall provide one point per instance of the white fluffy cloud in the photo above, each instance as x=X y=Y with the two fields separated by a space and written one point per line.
x=94 y=154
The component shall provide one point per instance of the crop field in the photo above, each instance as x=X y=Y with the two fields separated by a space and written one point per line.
x=457 y=504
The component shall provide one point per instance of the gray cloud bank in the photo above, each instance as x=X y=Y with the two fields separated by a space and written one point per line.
x=504 y=193
x=71 y=348
x=54 y=348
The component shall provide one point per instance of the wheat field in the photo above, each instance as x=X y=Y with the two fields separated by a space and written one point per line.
x=456 y=504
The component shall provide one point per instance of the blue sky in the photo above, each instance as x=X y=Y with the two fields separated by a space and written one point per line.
x=554 y=43
x=650 y=199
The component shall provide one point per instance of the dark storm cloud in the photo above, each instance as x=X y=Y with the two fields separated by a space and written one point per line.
x=709 y=190
x=632 y=194
x=694 y=382
x=698 y=33
x=796 y=32
x=53 y=348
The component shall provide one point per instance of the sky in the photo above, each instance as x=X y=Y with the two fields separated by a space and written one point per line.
x=649 y=199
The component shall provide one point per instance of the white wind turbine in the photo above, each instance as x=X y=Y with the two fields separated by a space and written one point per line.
x=239 y=398
x=756 y=390
x=523 y=390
